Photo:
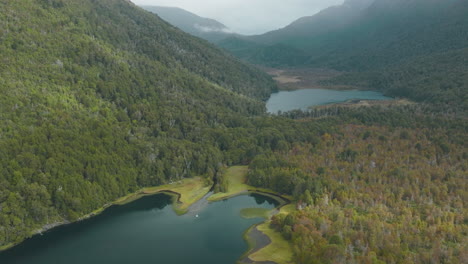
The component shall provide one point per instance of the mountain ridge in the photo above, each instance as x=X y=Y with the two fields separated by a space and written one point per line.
x=191 y=23
x=321 y=22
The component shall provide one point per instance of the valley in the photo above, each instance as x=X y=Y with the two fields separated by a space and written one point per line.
x=297 y=78
x=127 y=136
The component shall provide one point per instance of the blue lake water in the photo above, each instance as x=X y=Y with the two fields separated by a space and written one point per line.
x=303 y=99
x=147 y=231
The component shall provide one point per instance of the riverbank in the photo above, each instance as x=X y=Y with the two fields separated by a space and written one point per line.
x=185 y=192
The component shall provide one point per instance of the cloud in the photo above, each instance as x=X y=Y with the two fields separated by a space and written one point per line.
x=249 y=16
x=212 y=29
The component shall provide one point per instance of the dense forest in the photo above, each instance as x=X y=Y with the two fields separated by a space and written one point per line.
x=441 y=79
x=101 y=98
x=373 y=191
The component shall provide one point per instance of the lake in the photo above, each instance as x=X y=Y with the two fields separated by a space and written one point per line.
x=303 y=99
x=147 y=231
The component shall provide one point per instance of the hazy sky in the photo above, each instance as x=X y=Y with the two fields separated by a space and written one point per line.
x=249 y=16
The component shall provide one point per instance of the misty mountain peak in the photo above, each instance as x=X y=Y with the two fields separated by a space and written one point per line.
x=358 y=4
x=191 y=23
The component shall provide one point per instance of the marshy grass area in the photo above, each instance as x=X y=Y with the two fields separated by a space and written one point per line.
x=279 y=250
x=237 y=178
x=249 y=213
x=186 y=192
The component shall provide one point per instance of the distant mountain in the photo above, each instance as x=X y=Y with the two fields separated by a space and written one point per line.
x=297 y=38
x=368 y=33
x=193 y=24
x=329 y=19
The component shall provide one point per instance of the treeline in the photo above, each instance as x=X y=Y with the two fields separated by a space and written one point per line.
x=409 y=115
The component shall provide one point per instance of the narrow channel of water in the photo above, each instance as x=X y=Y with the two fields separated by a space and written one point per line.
x=147 y=231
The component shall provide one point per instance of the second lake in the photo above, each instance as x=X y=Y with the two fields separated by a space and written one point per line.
x=303 y=99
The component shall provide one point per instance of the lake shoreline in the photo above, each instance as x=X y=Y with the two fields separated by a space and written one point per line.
x=256 y=241
x=120 y=201
x=305 y=99
x=179 y=206
x=48 y=227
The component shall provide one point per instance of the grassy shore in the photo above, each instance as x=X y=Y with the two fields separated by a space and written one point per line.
x=5 y=247
x=237 y=177
x=236 y=183
x=249 y=213
x=187 y=192
x=279 y=250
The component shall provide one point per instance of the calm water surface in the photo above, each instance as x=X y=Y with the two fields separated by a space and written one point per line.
x=302 y=99
x=146 y=231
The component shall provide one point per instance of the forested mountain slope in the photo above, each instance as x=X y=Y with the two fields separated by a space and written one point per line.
x=301 y=35
x=99 y=98
x=378 y=33
x=390 y=33
x=305 y=28
x=441 y=79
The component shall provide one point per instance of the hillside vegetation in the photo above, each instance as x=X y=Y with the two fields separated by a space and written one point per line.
x=374 y=193
x=100 y=98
